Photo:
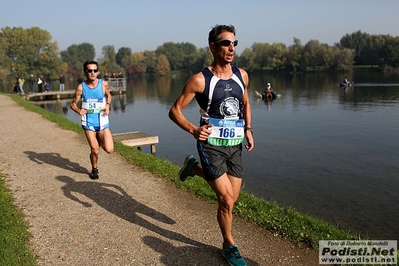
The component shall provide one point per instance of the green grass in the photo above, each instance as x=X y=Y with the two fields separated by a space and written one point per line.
x=15 y=248
x=287 y=222
x=301 y=229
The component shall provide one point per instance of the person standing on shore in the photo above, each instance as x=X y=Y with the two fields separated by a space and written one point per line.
x=62 y=83
x=221 y=92
x=21 y=82
x=40 y=83
x=31 y=84
x=96 y=100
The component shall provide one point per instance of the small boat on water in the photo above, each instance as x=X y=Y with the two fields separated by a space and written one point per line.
x=267 y=95
x=343 y=84
x=271 y=95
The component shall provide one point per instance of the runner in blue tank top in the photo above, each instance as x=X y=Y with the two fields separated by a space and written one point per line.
x=95 y=108
x=221 y=92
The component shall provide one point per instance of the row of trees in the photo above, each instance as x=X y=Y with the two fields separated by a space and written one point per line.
x=30 y=51
x=380 y=50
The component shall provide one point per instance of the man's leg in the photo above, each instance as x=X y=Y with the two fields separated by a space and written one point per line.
x=95 y=150
x=227 y=189
x=107 y=142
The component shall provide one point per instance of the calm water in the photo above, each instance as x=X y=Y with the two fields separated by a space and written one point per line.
x=327 y=152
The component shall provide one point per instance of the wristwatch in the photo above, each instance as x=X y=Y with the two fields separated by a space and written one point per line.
x=248 y=129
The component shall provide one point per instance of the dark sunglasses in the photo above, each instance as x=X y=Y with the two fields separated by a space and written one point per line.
x=227 y=42
x=91 y=70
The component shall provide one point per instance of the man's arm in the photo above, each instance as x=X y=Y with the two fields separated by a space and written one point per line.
x=195 y=85
x=247 y=112
x=76 y=99
x=108 y=97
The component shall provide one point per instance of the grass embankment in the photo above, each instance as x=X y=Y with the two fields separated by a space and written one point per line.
x=15 y=247
x=301 y=229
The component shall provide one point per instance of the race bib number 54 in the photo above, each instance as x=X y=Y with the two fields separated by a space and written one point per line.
x=226 y=132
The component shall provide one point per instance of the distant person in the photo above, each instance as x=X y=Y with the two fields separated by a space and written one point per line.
x=96 y=100
x=222 y=95
x=120 y=77
x=62 y=83
x=106 y=77
x=21 y=82
x=31 y=84
x=47 y=86
x=40 y=83
x=113 y=77
x=15 y=87
x=346 y=81
x=267 y=94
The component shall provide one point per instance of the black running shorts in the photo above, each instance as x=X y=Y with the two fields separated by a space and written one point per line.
x=217 y=160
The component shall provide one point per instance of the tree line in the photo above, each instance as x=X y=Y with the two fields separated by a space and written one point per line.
x=31 y=51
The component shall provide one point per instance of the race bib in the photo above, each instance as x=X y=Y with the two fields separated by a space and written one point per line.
x=93 y=105
x=226 y=132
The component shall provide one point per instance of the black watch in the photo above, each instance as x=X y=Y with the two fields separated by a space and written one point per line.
x=248 y=129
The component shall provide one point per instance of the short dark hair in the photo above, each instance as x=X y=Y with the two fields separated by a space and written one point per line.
x=217 y=30
x=89 y=62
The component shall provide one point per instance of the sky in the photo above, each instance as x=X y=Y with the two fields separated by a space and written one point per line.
x=147 y=24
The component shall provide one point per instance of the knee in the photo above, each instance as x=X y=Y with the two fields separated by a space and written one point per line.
x=226 y=203
x=109 y=150
x=95 y=151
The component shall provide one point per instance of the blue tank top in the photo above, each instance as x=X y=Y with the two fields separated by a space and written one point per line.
x=93 y=100
x=221 y=105
x=221 y=98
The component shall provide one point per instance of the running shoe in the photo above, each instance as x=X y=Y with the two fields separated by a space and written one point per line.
x=94 y=174
x=187 y=170
x=233 y=256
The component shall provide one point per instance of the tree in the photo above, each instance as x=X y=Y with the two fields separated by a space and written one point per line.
x=278 y=58
x=263 y=52
x=150 y=61
x=247 y=59
x=162 y=67
x=295 y=60
x=312 y=53
x=356 y=41
x=181 y=56
x=28 y=51
x=124 y=57
x=75 y=56
x=390 y=54
x=108 y=62
x=373 y=49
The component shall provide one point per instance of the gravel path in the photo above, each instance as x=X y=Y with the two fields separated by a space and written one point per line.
x=127 y=217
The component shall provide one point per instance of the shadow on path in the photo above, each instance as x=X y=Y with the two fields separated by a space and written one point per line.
x=56 y=160
x=115 y=200
x=188 y=255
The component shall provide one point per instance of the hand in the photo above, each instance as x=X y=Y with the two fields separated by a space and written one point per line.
x=202 y=133
x=82 y=112
x=250 y=140
x=106 y=109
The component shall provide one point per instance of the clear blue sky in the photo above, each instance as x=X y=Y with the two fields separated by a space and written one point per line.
x=146 y=24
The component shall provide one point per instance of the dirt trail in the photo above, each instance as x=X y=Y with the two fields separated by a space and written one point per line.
x=127 y=217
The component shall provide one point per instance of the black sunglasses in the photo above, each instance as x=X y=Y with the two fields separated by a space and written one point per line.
x=227 y=42
x=91 y=70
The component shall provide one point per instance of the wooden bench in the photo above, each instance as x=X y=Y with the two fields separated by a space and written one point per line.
x=137 y=139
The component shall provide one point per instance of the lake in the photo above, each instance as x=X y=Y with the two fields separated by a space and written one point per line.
x=327 y=152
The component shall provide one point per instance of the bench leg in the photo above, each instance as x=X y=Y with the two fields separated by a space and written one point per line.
x=153 y=151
